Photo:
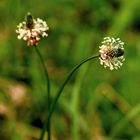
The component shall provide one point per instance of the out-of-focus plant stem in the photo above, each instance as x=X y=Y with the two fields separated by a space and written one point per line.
x=53 y=105
x=48 y=97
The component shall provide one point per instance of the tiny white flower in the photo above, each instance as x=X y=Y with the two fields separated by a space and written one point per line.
x=111 y=53
x=32 y=30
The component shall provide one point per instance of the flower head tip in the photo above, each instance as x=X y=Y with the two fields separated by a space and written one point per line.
x=31 y=30
x=111 y=53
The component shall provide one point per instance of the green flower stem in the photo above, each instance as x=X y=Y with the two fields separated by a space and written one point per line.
x=53 y=105
x=48 y=90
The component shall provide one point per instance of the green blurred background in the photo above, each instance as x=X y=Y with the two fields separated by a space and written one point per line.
x=97 y=104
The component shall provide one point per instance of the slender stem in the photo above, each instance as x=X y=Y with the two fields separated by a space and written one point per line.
x=53 y=105
x=48 y=90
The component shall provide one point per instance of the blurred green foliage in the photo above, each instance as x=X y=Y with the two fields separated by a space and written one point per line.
x=97 y=104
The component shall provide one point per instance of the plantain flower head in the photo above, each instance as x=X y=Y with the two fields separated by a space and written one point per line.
x=111 y=53
x=31 y=30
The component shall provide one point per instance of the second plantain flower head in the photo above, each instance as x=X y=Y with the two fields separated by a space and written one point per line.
x=32 y=30
x=111 y=53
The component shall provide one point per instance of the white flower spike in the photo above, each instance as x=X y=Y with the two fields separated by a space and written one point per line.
x=111 y=53
x=31 y=30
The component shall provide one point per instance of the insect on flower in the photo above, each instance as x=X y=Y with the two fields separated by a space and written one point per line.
x=116 y=52
x=31 y=30
x=111 y=53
